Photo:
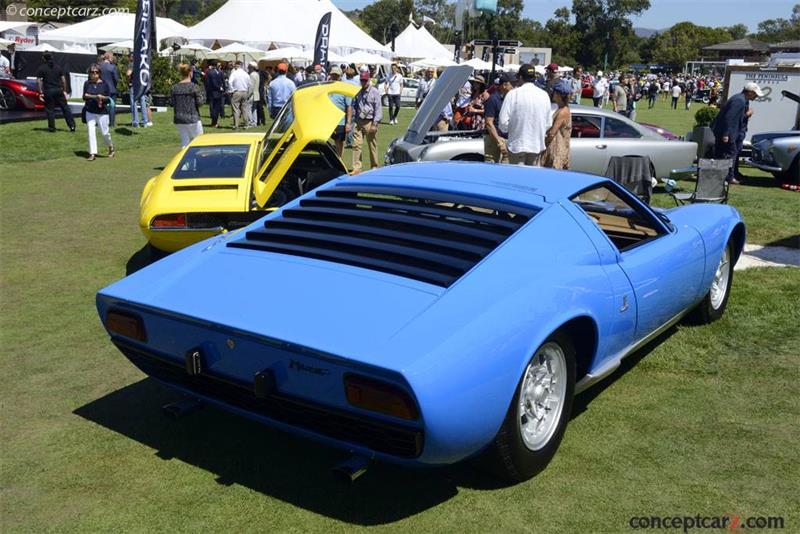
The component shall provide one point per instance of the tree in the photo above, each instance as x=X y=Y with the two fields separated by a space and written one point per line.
x=780 y=29
x=737 y=31
x=379 y=17
x=604 y=29
x=684 y=41
x=561 y=37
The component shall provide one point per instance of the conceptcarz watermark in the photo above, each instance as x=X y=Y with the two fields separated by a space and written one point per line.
x=60 y=12
x=727 y=522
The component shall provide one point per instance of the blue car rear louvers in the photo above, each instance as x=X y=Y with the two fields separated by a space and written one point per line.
x=423 y=235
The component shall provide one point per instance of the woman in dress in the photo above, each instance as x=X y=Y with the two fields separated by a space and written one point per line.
x=187 y=97
x=556 y=155
x=96 y=95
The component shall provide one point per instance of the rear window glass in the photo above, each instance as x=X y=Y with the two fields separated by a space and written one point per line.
x=585 y=126
x=213 y=162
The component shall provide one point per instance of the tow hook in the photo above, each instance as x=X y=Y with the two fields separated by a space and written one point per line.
x=349 y=470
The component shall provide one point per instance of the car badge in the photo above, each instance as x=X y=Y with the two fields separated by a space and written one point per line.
x=231 y=344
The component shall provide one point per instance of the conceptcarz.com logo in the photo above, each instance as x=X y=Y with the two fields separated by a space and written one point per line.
x=728 y=522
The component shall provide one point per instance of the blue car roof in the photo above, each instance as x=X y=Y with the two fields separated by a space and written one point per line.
x=535 y=186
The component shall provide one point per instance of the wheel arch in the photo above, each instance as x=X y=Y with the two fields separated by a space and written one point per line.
x=738 y=238
x=583 y=333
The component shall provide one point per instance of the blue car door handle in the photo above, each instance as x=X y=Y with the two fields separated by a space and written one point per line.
x=625 y=305
x=601 y=147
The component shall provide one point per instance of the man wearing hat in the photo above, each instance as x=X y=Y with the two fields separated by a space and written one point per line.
x=494 y=141
x=730 y=125
x=525 y=116
x=280 y=90
x=346 y=105
x=368 y=113
x=551 y=77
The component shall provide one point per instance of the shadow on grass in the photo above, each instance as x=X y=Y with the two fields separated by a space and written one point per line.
x=757 y=181
x=294 y=470
x=122 y=130
x=582 y=401
x=788 y=242
x=143 y=257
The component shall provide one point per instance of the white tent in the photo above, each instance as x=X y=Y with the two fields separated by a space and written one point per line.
x=478 y=64
x=432 y=62
x=189 y=49
x=286 y=22
x=43 y=47
x=236 y=51
x=4 y=43
x=15 y=24
x=365 y=58
x=120 y=47
x=77 y=49
x=109 y=29
x=292 y=53
x=418 y=43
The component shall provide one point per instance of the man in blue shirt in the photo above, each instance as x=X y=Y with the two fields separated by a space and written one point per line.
x=280 y=90
x=346 y=105
x=730 y=125
x=110 y=75
x=368 y=113
x=494 y=141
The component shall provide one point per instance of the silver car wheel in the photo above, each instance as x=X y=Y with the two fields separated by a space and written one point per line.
x=542 y=396
x=720 y=284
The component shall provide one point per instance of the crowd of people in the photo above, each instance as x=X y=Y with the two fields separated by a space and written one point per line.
x=525 y=117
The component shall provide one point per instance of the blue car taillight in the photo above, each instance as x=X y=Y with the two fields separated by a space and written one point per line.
x=126 y=324
x=378 y=396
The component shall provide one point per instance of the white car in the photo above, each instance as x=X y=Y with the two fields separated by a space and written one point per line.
x=408 y=95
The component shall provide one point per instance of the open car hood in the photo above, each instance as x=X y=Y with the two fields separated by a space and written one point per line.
x=451 y=80
x=308 y=117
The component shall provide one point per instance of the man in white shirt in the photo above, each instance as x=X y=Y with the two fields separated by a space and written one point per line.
x=239 y=82
x=599 y=89
x=394 y=88
x=526 y=116
x=254 y=99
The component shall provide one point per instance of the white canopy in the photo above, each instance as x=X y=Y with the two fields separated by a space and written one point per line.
x=120 y=47
x=293 y=53
x=15 y=24
x=188 y=49
x=365 y=58
x=109 y=29
x=418 y=43
x=43 y=47
x=236 y=51
x=290 y=22
x=77 y=49
x=432 y=62
x=510 y=67
x=478 y=64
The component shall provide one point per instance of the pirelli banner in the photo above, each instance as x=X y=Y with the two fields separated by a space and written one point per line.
x=144 y=40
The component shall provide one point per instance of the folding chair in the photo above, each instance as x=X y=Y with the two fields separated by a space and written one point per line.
x=711 y=186
x=633 y=173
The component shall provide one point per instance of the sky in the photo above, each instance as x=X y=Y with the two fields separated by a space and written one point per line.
x=664 y=13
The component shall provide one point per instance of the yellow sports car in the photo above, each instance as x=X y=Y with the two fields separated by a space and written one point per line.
x=221 y=182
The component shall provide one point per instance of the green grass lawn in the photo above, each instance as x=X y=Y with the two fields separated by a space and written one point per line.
x=705 y=421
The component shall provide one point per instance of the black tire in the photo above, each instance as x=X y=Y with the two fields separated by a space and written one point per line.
x=711 y=309
x=508 y=457
x=7 y=99
x=792 y=176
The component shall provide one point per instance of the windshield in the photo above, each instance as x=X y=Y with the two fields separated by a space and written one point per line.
x=212 y=162
x=282 y=123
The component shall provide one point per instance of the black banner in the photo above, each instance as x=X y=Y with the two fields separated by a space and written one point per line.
x=322 y=41
x=144 y=39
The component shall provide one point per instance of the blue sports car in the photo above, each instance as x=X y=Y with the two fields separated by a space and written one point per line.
x=426 y=313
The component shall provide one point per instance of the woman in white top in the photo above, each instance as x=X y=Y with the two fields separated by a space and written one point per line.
x=394 y=87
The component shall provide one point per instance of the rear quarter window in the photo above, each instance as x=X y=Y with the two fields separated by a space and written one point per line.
x=212 y=162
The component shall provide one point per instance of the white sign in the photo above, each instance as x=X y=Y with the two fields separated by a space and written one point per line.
x=772 y=112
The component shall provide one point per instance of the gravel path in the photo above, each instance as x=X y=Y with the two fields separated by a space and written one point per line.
x=761 y=256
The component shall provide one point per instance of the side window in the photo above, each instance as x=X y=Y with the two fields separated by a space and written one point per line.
x=616 y=128
x=626 y=225
x=585 y=126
